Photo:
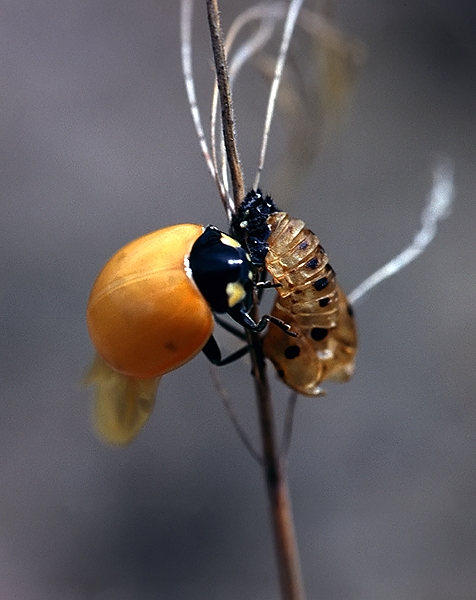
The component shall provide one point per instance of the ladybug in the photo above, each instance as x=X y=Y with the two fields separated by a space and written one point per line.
x=308 y=297
x=151 y=310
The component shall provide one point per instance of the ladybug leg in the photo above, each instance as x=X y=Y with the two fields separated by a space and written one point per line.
x=264 y=285
x=213 y=353
x=239 y=314
x=279 y=323
x=260 y=286
x=234 y=356
x=230 y=328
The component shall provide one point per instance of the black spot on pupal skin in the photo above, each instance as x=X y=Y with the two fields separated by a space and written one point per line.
x=280 y=373
x=312 y=264
x=324 y=302
x=321 y=283
x=350 y=310
x=329 y=269
x=303 y=245
x=292 y=352
x=318 y=333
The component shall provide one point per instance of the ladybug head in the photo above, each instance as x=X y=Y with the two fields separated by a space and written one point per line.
x=221 y=269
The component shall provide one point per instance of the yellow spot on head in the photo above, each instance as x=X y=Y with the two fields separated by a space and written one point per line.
x=229 y=241
x=235 y=293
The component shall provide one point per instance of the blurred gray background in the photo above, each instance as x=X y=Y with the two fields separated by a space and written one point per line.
x=97 y=148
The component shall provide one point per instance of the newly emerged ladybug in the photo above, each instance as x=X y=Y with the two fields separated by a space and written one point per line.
x=151 y=310
x=308 y=297
x=152 y=306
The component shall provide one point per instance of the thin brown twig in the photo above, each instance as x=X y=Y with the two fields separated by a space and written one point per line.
x=281 y=513
x=227 y=115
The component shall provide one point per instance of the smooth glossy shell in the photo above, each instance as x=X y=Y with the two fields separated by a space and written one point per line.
x=145 y=314
x=311 y=302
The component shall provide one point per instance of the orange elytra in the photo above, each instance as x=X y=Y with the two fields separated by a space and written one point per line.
x=145 y=314
x=151 y=310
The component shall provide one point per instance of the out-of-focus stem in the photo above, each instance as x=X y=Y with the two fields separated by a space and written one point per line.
x=281 y=513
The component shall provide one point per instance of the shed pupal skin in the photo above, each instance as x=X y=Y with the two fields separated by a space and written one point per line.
x=308 y=297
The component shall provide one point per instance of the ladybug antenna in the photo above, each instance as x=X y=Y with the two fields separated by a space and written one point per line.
x=291 y=17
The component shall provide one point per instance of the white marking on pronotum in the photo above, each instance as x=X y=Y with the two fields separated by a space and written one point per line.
x=438 y=207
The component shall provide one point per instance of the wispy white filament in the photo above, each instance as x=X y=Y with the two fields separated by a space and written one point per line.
x=290 y=22
x=438 y=207
x=186 y=14
x=267 y=15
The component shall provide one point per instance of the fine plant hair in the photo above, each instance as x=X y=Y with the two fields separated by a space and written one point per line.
x=222 y=160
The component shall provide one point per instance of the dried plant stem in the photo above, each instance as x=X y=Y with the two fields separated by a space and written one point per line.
x=227 y=116
x=281 y=514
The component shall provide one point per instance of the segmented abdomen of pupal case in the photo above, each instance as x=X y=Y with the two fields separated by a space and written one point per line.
x=312 y=303
x=297 y=261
